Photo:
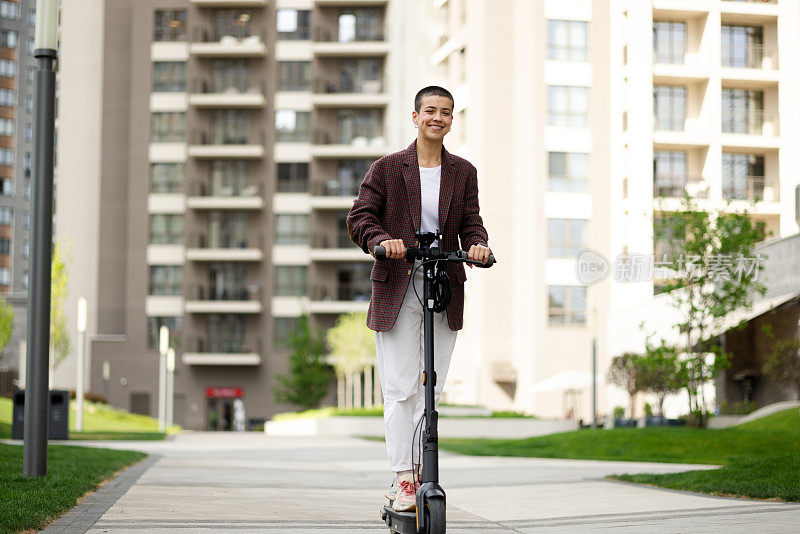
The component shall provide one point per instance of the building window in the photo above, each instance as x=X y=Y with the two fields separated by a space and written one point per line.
x=26 y=249
x=8 y=68
x=566 y=305
x=742 y=177
x=229 y=75
x=166 y=280
x=742 y=111
x=154 y=324
x=169 y=76
x=6 y=216
x=29 y=103
x=226 y=334
x=5 y=276
x=566 y=237
x=742 y=46
x=168 y=127
x=6 y=187
x=229 y=127
x=32 y=17
x=6 y=157
x=567 y=40
x=170 y=25
x=30 y=45
x=229 y=179
x=28 y=132
x=669 y=42
x=284 y=326
x=294 y=75
x=227 y=229
x=357 y=25
x=568 y=171
x=294 y=24
x=5 y=246
x=292 y=177
x=26 y=220
x=234 y=23
x=166 y=229
x=7 y=97
x=166 y=177
x=8 y=38
x=291 y=229
x=669 y=173
x=669 y=107
x=25 y=279
x=355 y=124
x=26 y=191
x=6 y=127
x=292 y=126
x=290 y=281
x=568 y=105
x=9 y=10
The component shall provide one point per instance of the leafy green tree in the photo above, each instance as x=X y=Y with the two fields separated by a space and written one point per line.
x=782 y=363
x=6 y=322
x=716 y=251
x=309 y=376
x=661 y=371
x=60 y=344
x=625 y=371
x=352 y=348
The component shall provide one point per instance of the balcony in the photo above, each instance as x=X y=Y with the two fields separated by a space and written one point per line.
x=205 y=95
x=750 y=188
x=341 y=298
x=344 y=92
x=350 y=3
x=366 y=144
x=336 y=248
x=749 y=11
x=243 y=298
x=749 y=56
x=678 y=186
x=247 y=44
x=225 y=144
x=333 y=195
x=210 y=247
x=209 y=351
x=750 y=128
x=339 y=33
x=228 y=3
x=205 y=197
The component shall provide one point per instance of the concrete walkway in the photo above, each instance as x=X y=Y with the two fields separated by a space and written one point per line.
x=204 y=482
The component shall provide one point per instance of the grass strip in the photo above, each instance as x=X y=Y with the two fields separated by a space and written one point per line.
x=761 y=459
x=31 y=503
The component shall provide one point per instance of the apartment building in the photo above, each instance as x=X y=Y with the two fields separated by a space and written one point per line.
x=587 y=120
x=211 y=150
x=17 y=65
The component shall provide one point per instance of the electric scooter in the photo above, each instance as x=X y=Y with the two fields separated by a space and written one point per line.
x=429 y=517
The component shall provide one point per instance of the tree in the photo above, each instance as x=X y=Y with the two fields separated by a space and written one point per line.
x=309 y=377
x=352 y=347
x=60 y=344
x=626 y=372
x=6 y=323
x=783 y=362
x=661 y=372
x=720 y=276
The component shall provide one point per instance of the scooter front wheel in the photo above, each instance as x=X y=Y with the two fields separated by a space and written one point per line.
x=435 y=515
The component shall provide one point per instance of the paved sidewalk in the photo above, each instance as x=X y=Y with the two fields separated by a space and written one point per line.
x=204 y=482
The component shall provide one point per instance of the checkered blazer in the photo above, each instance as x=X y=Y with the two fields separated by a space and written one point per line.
x=389 y=207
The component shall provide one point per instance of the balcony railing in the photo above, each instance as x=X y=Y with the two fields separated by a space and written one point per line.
x=345 y=292
x=678 y=185
x=227 y=346
x=227 y=136
x=209 y=87
x=332 y=85
x=231 y=35
x=201 y=189
x=750 y=188
x=335 y=188
x=749 y=122
x=226 y=241
x=226 y=292
x=340 y=240
x=749 y=56
x=326 y=34
x=364 y=139
x=669 y=119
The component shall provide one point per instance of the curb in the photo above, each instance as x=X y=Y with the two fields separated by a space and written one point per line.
x=85 y=514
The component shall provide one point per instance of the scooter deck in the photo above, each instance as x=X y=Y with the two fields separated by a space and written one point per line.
x=400 y=522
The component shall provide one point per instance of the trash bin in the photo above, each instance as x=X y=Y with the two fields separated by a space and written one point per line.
x=58 y=421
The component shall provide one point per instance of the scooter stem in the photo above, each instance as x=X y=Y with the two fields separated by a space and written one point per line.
x=430 y=433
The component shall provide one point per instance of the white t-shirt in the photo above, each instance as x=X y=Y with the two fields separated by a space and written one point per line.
x=429 y=180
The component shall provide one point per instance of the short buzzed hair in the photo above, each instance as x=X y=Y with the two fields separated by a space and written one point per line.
x=431 y=90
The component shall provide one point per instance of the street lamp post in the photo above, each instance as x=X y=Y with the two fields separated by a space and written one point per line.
x=170 y=385
x=81 y=363
x=163 y=348
x=34 y=458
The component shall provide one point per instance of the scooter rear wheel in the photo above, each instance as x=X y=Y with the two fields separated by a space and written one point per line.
x=436 y=520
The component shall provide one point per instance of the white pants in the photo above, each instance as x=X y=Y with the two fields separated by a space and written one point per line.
x=400 y=354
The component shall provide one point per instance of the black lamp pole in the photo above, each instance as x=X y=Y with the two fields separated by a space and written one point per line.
x=34 y=460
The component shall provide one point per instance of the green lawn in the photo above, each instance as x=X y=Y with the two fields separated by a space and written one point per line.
x=377 y=412
x=100 y=421
x=72 y=472
x=761 y=459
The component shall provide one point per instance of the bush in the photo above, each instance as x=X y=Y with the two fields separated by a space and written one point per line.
x=619 y=412
x=89 y=396
x=648 y=410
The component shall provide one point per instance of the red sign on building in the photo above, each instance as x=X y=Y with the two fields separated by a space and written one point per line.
x=224 y=393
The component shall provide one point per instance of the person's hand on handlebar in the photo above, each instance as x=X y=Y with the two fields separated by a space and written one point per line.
x=395 y=248
x=478 y=253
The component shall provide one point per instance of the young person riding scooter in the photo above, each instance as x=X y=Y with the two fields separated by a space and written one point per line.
x=422 y=188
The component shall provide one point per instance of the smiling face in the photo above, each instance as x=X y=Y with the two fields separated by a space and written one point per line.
x=434 y=118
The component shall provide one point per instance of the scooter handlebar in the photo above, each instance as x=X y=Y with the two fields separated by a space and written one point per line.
x=458 y=256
